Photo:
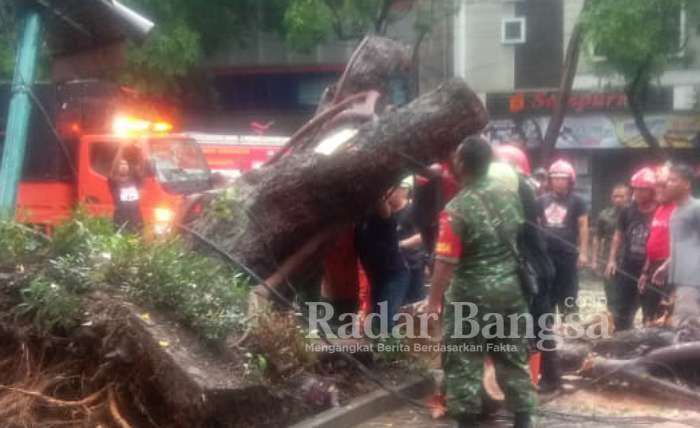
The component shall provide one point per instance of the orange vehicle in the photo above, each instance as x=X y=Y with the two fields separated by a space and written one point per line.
x=233 y=155
x=69 y=160
x=174 y=168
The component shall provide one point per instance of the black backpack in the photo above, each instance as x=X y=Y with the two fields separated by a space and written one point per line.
x=533 y=249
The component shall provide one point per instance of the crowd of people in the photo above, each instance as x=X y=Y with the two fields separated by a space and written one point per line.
x=499 y=221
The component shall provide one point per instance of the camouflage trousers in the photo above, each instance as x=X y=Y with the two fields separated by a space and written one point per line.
x=464 y=369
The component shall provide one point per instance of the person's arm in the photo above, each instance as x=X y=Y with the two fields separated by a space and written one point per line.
x=611 y=269
x=660 y=275
x=597 y=238
x=447 y=253
x=442 y=275
x=364 y=293
x=383 y=209
x=115 y=162
x=643 y=278
x=583 y=243
x=411 y=242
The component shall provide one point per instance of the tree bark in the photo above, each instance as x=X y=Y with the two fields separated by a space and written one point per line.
x=639 y=378
x=374 y=61
x=277 y=208
x=573 y=50
x=636 y=91
x=380 y=23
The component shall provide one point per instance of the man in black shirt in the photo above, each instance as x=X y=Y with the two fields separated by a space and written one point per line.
x=377 y=244
x=125 y=185
x=410 y=241
x=564 y=217
x=631 y=238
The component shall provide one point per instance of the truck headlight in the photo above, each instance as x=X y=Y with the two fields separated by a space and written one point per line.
x=163 y=220
x=164 y=215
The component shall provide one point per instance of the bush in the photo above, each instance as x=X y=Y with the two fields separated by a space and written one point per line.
x=86 y=253
x=17 y=244
x=206 y=294
x=50 y=304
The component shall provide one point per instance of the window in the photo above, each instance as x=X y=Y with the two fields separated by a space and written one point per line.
x=179 y=165
x=513 y=31
x=102 y=157
x=678 y=22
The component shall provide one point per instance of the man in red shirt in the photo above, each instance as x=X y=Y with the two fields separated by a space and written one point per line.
x=652 y=296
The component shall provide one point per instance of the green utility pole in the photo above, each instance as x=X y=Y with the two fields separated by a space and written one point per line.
x=18 y=115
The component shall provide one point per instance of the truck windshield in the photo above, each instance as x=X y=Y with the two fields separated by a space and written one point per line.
x=179 y=165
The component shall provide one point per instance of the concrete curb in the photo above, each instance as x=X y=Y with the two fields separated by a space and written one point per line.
x=368 y=406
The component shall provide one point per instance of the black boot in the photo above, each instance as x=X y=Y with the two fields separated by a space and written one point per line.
x=468 y=421
x=523 y=420
x=551 y=372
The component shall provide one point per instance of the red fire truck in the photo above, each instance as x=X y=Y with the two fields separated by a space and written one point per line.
x=232 y=155
x=71 y=149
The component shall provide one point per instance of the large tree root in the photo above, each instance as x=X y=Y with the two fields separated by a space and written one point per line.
x=87 y=401
x=114 y=410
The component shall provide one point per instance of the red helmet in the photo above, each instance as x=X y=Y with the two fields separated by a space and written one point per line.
x=662 y=173
x=562 y=169
x=645 y=178
x=513 y=156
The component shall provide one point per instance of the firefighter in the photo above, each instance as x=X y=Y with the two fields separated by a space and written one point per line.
x=630 y=246
x=656 y=299
x=513 y=156
x=474 y=264
x=564 y=217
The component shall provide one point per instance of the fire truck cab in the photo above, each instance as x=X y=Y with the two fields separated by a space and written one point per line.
x=173 y=166
x=69 y=161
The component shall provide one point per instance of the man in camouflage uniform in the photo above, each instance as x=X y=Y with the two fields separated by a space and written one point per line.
x=476 y=265
x=605 y=229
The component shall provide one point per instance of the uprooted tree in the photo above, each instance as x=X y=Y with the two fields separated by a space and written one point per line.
x=128 y=309
x=276 y=215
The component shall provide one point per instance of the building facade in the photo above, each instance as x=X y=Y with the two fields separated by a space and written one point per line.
x=266 y=81
x=512 y=52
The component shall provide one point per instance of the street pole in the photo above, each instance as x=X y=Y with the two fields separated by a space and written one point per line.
x=18 y=115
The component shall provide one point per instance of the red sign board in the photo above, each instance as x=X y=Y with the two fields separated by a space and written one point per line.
x=544 y=102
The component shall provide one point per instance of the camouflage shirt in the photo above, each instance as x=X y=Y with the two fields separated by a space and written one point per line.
x=605 y=229
x=486 y=272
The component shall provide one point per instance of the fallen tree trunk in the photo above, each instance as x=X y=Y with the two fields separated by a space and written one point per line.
x=637 y=374
x=633 y=343
x=277 y=209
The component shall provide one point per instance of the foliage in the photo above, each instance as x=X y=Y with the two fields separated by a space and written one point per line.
x=82 y=234
x=6 y=59
x=228 y=206
x=185 y=31
x=255 y=367
x=87 y=253
x=51 y=304
x=278 y=345
x=18 y=244
x=639 y=39
x=307 y=23
x=614 y=27
x=207 y=295
x=7 y=39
